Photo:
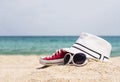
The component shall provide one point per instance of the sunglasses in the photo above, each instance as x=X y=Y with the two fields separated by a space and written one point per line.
x=78 y=59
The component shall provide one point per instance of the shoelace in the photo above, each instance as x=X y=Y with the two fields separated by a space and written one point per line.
x=54 y=54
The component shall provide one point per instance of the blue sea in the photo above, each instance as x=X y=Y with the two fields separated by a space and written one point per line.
x=45 y=45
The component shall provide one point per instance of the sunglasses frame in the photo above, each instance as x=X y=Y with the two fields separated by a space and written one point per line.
x=71 y=61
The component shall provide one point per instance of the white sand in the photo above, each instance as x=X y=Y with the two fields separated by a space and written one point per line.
x=27 y=69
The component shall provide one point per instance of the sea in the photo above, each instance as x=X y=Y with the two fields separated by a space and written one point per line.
x=46 y=45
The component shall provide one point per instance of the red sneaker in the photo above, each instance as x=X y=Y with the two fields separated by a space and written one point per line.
x=57 y=58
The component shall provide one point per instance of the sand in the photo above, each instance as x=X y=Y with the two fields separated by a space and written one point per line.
x=20 y=68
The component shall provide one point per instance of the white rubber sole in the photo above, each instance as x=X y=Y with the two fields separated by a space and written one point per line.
x=51 y=62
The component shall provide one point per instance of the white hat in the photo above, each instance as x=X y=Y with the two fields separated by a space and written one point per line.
x=91 y=45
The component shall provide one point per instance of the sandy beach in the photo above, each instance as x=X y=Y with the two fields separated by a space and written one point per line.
x=19 y=68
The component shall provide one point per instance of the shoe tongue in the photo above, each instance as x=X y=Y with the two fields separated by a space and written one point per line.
x=60 y=51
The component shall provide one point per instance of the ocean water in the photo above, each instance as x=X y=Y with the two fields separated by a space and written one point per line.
x=45 y=45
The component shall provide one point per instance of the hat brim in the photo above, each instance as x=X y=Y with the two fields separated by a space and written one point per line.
x=71 y=50
x=74 y=51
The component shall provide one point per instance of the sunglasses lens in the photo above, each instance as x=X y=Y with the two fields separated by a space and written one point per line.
x=79 y=58
x=66 y=58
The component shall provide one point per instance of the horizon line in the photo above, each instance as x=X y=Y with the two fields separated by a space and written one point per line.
x=52 y=35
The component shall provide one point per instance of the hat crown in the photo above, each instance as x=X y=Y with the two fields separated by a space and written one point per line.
x=95 y=43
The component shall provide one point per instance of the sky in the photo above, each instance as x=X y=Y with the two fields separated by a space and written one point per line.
x=59 y=17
